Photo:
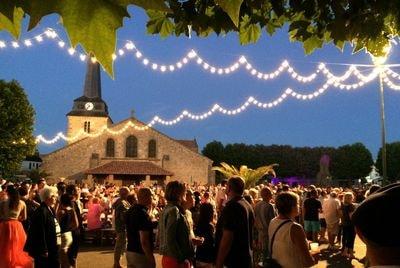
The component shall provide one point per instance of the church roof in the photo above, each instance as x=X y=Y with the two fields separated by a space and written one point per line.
x=129 y=168
x=191 y=144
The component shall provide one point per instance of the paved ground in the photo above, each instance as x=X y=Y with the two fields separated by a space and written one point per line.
x=99 y=257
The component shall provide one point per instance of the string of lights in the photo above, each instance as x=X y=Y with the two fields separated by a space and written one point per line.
x=129 y=47
x=217 y=108
x=193 y=56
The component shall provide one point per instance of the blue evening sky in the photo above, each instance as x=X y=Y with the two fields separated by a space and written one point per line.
x=52 y=79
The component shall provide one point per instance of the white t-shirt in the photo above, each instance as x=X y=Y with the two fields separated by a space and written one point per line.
x=331 y=207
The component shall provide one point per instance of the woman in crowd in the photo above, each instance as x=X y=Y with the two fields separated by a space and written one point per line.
x=12 y=234
x=68 y=221
x=94 y=215
x=285 y=235
x=176 y=246
x=44 y=236
x=205 y=253
x=349 y=233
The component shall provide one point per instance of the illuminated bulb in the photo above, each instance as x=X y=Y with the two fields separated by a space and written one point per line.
x=342 y=86
x=179 y=65
x=232 y=69
x=192 y=54
x=28 y=43
x=15 y=44
x=154 y=66
x=316 y=94
x=171 y=68
x=280 y=99
x=266 y=76
x=310 y=97
x=205 y=66
x=113 y=56
x=260 y=104
x=199 y=61
x=294 y=75
x=259 y=75
x=163 y=68
x=275 y=103
x=242 y=59
x=82 y=57
x=129 y=46
x=269 y=105
x=250 y=99
x=299 y=96
x=285 y=63
x=227 y=70
x=93 y=59
x=253 y=72
x=248 y=66
x=185 y=112
x=304 y=97
x=220 y=71
x=39 y=38
x=138 y=55
x=321 y=90
x=121 y=52
x=290 y=69
x=2 y=44
x=185 y=60
x=145 y=61
x=71 y=51
x=61 y=44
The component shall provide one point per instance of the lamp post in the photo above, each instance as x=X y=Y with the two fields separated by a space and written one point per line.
x=379 y=61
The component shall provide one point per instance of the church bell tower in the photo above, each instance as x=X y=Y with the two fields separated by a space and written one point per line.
x=89 y=112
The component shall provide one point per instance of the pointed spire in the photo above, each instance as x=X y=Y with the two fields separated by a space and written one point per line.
x=92 y=88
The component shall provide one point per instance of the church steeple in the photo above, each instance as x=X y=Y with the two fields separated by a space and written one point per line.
x=90 y=103
x=89 y=112
x=92 y=88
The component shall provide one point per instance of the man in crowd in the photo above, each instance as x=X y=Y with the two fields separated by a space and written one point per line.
x=140 y=232
x=311 y=208
x=264 y=212
x=234 y=233
x=120 y=207
x=73 y=250
x=331 y=210
x=221 y=197
x=378 y=228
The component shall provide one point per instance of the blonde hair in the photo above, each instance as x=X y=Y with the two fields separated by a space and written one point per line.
x=47 y=192
x=348 y=197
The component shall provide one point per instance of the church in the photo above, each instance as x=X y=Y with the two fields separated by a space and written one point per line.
x=111 y=152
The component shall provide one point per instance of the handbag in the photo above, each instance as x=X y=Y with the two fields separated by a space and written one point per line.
x=269 y=262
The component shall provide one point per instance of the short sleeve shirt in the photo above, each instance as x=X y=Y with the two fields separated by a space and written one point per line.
x=312 y=207
x=137 y=219
x=237 y=217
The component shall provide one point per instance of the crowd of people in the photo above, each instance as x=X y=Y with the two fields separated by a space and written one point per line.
x=200 y=226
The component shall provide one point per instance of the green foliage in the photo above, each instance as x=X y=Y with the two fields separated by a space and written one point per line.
x=349 y=162
x=368 y=24
x=16 y=127
x=392 y=161
x=250 y=176
x=36 y=174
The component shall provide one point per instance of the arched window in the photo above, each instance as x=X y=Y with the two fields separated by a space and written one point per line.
x=86 y=127
x=152 y=149
x=110 y=148
x=131 y=147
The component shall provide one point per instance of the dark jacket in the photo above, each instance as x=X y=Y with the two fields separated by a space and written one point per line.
x=42 y=235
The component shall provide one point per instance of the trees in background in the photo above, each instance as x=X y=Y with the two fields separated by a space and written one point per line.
x=347 y=162
x=393 y=160
x=16 y=127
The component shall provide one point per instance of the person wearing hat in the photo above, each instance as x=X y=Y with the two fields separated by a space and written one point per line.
x=378 y=228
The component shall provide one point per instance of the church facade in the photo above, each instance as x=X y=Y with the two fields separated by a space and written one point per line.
x=123 y=155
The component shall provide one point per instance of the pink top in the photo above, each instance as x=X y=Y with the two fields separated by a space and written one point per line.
x=93 y=216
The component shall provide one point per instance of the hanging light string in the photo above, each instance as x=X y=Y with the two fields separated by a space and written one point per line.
x=332 y=81
x=217 y=108
x=192 y=55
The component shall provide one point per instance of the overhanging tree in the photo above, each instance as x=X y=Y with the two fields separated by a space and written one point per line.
x=366 y=24
x=16 y=127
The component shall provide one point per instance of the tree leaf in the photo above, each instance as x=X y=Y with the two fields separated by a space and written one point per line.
x=93 y=24
x=7 y=9
x=159 y=23
x=232 y=8
x=249 y=32
x=310 y=44
x=12 y=26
